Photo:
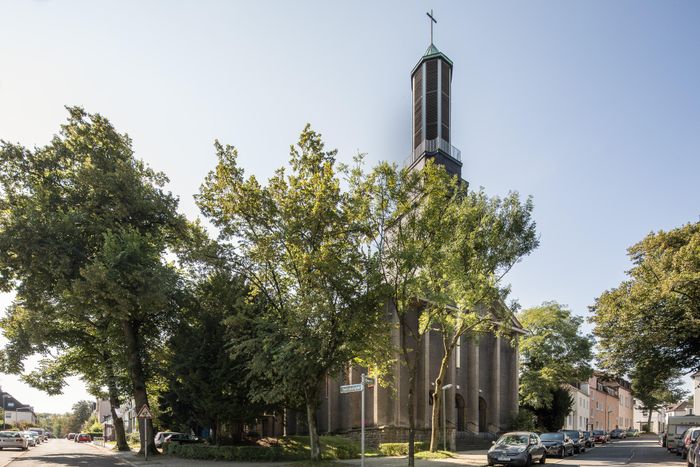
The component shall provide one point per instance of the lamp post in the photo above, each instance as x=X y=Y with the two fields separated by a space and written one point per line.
x=444 y=422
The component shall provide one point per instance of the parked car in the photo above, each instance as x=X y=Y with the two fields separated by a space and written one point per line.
x=689 y=437
x=517 y=448
x=590 y=439
x=694 y=453
x=618 y=434
x=32 y=438
x=576 y=438
x=70 y=436
x=83 y=438
x=181 y=438
x=600 y=436
x=557 y=444
x=633 y=433
x=161 y=435
x=13 y=439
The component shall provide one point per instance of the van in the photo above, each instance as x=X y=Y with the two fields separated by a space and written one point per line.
x=676 y=427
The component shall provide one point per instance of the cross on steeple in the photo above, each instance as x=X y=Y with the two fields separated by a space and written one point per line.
x=432 y=20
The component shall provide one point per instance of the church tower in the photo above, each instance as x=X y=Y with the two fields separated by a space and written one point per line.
x=431 y=81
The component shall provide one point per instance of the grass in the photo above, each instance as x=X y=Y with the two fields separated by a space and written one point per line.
x=434 y=455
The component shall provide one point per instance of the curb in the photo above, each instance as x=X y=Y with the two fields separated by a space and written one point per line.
x=111 y=452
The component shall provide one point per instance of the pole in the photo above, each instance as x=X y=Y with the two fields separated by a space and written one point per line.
x=145 y=438
x=362 y=422
x=444 y=423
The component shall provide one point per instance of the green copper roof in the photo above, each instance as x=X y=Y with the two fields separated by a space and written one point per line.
x=432 y=52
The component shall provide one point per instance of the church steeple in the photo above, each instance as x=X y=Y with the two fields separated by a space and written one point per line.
x=431 y=81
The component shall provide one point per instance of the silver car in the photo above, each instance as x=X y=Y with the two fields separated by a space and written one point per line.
x=32 y=438
x=13 y=439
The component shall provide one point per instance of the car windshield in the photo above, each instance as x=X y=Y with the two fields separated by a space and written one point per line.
x=552 y=436
x=586 y=433
x=513 y=439
x=572 y=434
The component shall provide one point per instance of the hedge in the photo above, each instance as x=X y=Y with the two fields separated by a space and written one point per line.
x=228 y=453
x=288 y=449
x=401 y=449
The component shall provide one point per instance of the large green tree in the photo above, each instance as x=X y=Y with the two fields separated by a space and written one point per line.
x=301 y=243
x=84 y=230
x=205 y=385
x=553 y=353
x=443 y=251
x=654 y=315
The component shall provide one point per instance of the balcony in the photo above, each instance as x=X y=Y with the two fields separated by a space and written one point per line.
x=432 y=146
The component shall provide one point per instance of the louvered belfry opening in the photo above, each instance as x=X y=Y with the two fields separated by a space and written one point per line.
x=445 y=110
x=431 y=99
x=417 y=109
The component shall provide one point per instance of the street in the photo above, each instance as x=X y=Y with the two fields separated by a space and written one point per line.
x=58 y=452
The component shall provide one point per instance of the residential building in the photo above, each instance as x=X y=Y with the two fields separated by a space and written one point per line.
x=625 y=417
x=641 y=419
x=696 y=393
x=16 y=413
x=605 y=403
x=579 y=417
x=679 y=409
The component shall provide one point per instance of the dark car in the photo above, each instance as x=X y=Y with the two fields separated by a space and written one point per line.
x=618 y=434
x=70 y=436
x=557 y=444
x=590 y=440
x=517 y=448
x=577 y=438
x=181 y=438
x=694 y=453
x=600 y=436
x=690 y=436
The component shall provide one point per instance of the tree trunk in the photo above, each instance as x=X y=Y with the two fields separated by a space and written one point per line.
x=437 y=403
x=138 y=381
x=314 y=439
x=115 y=402
x=649 y=422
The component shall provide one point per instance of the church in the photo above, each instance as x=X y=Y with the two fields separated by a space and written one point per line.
x=481 y=385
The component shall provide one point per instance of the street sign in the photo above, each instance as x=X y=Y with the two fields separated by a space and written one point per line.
x=144 y=412
x=350 y=388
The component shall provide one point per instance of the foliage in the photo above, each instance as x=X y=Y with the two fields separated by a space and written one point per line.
x=553 y=354
x=300 y=242
x=205 y=386
x=91 y=425
x=655 y=386
x=292 y=448
x=401 y=449
x=525 y=420
x=84 y=228
x=654 y=315
x=82 y=412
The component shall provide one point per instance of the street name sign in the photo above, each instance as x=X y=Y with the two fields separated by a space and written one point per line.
x=350 y=388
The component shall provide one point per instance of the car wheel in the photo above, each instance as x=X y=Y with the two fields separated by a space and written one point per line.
x=25 y=448
x=528 y=462
x=562 y=453
x=543 y=459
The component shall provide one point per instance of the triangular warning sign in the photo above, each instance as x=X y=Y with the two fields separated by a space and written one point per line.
x=144 y=412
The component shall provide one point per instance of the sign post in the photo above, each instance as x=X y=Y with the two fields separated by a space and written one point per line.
x=362 y=388
x=145 y=414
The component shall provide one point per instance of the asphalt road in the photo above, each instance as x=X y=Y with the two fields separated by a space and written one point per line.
x=643 y=452
x=57 y=452
x=630 y=452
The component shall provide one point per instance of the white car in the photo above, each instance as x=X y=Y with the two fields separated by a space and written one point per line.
x=13 y=439
x=32 y=438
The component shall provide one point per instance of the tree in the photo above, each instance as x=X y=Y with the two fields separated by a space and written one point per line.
x=84 y=229
x=553 y=354
x=82 y=410
x=301 y=243
x=655 y=386
x=205 y=385
x=442 y=254
x=655 y=312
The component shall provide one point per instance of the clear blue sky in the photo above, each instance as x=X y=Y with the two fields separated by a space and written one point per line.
x=592 y=107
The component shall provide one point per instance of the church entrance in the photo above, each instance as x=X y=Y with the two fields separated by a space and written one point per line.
x=459 y=405
x=482 y=416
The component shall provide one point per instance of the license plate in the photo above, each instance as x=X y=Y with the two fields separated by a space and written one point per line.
x=504 y=459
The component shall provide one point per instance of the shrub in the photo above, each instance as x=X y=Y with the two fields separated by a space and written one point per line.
x=133 y=438
x=401 y=449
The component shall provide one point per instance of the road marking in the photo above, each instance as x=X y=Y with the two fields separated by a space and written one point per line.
x=630 y=458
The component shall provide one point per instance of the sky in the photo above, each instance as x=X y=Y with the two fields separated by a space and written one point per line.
x=592 y=108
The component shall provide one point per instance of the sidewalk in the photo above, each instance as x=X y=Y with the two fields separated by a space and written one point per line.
x=468 y=458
